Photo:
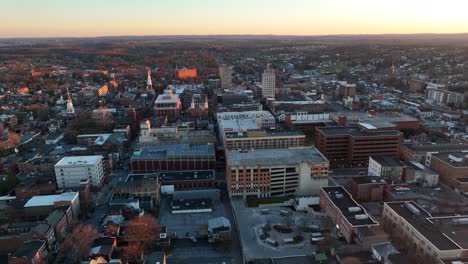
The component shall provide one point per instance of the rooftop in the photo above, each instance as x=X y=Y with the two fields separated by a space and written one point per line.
x=457 y=159
x=171 y=151
x=437 y=147
x=351 y=210
x=444 y=237
x=386 y=161
x=169 y=176
x=29 y=249
x=191 y=204
x=266 y=133
x=355 y=131
x=290 y=156
x=49 y=200
x=79 y=160
x=357 y=116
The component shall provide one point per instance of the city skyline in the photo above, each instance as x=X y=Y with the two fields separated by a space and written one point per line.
x=52 y=18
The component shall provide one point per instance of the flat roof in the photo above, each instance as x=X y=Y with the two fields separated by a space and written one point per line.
x=176 y=150
x=289 y=156
x=369 y=179
x=191 y=204
x=343 y=201
x=424 y=223
x=49 y=200
x=358 y=116
x=355 y=131
x=268 y=133
x=387 y=161
x=78 y=160
x=455 y=159
x=437 y=147
x=169 y=176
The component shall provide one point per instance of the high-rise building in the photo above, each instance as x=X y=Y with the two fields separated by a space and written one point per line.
x=71 y=171
x=225 y=73
x=268 y=83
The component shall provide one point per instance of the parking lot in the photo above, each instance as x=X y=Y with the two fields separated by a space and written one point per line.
x=249 y=221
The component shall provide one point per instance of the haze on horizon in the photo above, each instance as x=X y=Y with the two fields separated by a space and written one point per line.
x=90 y=18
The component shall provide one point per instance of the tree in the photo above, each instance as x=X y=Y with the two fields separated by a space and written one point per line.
x=140 y=233
x=79 y=242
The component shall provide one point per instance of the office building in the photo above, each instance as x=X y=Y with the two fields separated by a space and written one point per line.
x=268 y=83
x=225 y=74
x=276 y=172
x=353 y=145
x=70 y=171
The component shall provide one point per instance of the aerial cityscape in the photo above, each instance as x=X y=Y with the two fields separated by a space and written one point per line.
x=231 y=132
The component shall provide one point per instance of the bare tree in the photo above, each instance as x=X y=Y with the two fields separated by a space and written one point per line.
x=141 y=231
x=79 y=242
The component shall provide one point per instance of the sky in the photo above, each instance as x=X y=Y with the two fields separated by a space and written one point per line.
x=89 y=18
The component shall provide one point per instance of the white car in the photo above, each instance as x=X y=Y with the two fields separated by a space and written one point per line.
x=194 y=239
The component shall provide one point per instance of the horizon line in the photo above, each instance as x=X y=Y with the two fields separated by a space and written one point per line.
x=233 y=35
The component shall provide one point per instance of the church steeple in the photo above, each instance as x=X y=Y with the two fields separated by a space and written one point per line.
x=149 y=83
x=70 y=109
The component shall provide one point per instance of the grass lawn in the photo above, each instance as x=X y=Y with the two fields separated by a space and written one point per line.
x=254 y=202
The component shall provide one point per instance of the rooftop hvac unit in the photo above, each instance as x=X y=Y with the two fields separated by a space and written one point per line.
x=339 y=195
x=413 y=209
x=361 y=216
x=354 y=209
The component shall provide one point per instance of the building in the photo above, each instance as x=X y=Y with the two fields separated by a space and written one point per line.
x=168 y=105
x=452 y=169
x=228 y=121
x=345 y=212
x=225 y=74
x=345 y=90
x=263 y=139
x=185 y=73
x=422 y=152
x=416 y=172
x=268 y=83
x=426 y=236
x=382 y=121
x=440 y=94
x=385 y=167
x=277 y=172
x=367 y=188
x=219 y=229
x=177 y=156
x=31 y=252
x=43 y=205
x=353 y=145
x=166 y=134
x=70 y=171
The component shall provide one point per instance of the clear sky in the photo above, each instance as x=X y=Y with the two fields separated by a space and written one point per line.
x=60 y=18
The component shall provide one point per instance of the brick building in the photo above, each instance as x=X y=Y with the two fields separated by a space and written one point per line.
x=348 y=216
x=452 y=169
x=352 y=145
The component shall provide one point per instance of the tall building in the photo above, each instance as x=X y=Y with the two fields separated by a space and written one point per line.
x=225 y=73
x=71 y=171
x=268 y=83
x=276 y=172
x=440 y=94
x=353 y=145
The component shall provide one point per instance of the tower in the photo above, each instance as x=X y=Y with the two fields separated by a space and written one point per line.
x=393 y=67
x=225 y=74
x=149 y=83
x=70 y=109
x=268 y=83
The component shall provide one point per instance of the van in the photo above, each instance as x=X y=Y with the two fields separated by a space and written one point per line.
x=265 y=211
x=316 y=234
x=284 y=213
